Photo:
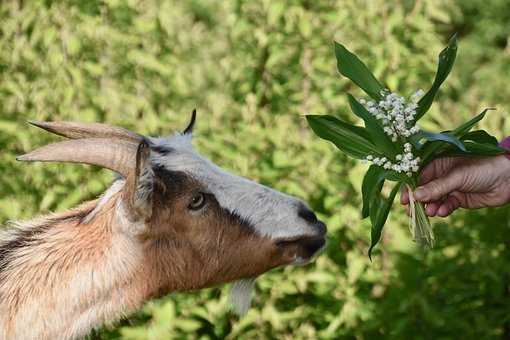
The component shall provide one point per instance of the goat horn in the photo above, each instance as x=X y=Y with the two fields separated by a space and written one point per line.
x=116 y=155
x=189 y=128
x=74 y=130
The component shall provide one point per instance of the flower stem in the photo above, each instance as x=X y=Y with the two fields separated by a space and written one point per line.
x=419 y=224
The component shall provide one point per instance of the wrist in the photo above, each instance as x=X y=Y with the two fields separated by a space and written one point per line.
x=501 y=184
x=505 y=144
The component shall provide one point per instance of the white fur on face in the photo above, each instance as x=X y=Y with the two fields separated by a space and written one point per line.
x=271 y=213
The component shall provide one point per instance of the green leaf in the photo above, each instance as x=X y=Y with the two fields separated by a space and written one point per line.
x=430 y=149
x=445 y=64
x=376 y=132
x=373 y=182
x=371 y=186
x=379 y=216
x=443 y=137
x=395 y=176
x=353 y=68
x=475 y=149
x=351 y=139
x=480 y=136
x=461 y=130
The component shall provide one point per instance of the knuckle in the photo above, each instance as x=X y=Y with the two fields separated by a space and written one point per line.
x=435 y=188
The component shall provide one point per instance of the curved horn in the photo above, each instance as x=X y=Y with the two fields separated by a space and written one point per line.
x=189 y=128
x=75 y=130
x=116 y=155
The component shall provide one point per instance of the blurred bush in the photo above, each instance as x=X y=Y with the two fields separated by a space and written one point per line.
x=252 y=69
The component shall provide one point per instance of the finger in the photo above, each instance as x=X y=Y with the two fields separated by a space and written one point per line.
x=404 y=196
x=439 y=187
x=463 y=199
x=431 y=208
x=429 y=172
x=470 y=200
x=438 y=168
x=448 y=206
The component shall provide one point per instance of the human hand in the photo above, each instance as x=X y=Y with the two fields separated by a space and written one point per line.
x=449 y=183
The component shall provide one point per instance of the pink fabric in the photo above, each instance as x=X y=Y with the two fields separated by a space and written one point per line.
x=505 y=144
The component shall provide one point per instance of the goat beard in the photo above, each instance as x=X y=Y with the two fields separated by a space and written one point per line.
x=241 y=294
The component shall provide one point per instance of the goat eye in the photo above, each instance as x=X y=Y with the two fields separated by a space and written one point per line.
x=197 y=202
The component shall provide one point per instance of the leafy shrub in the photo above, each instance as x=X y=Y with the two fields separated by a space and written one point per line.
x=253 y=69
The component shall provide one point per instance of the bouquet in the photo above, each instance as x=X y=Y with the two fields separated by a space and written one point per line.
x=394 y=144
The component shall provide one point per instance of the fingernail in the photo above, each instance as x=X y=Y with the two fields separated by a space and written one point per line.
x=419 y=193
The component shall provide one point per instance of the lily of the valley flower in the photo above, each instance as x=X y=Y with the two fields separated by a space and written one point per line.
x=397 y=117
x=395 y=113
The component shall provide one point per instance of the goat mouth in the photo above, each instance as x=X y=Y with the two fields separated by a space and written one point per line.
x=304 y=248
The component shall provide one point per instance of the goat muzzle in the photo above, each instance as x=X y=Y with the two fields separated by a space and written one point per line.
x=302 y=248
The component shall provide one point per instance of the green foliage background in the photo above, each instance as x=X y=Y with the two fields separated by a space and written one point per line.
x=253 y=69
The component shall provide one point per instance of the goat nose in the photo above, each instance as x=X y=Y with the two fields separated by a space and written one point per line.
x=321 y=227
x=306 y=214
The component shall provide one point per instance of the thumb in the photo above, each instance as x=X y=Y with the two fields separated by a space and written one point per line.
x=440 y=187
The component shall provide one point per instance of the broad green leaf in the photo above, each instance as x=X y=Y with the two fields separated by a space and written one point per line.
x=376 y=203
x=445 y=64
x=480 y=136
x=353 y=68
x=379 y=216
x=430 y=149
x=443 y=137
x=373 y=182
x=415 y=140
x=376 y=132
x=351 y=139
x=461 y=130
x=395 y=176
x=481 y=149
x=475 y=149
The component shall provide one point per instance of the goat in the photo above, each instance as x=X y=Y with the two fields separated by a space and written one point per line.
x=173 y=221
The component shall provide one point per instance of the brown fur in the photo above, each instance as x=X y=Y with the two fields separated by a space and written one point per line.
x=180 y=250
x=207 y=248
x=65 y=274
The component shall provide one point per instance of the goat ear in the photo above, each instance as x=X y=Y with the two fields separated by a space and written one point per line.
x=139 y=186
x=189 y=128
